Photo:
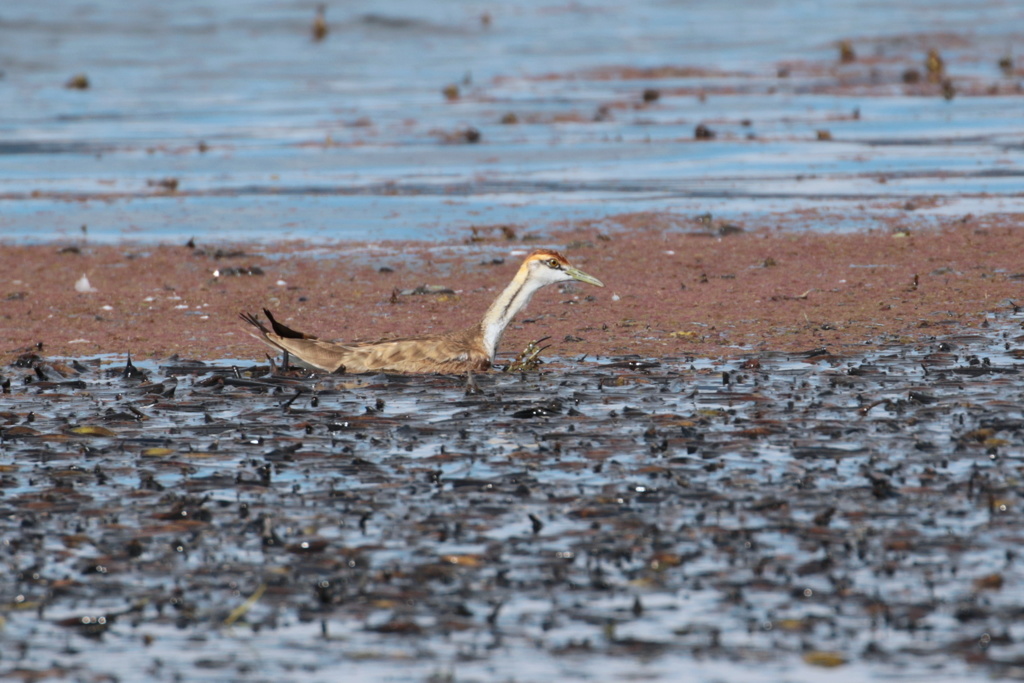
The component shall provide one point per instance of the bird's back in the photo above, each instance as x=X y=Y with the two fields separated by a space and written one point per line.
x=455 y=352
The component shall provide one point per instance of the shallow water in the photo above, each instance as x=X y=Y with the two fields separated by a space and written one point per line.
x=352 y=136
x=765 y=518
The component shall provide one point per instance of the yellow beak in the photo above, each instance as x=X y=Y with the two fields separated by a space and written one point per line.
x=578 y=274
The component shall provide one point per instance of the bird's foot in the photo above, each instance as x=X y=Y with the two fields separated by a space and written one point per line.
x=472 y=388
x=528 y=359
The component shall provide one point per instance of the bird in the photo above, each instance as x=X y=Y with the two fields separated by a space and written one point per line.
x=464 y=351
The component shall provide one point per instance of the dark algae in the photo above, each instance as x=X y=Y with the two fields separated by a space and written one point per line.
x=833 y=507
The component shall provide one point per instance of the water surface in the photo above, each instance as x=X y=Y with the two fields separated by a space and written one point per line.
x=266 y=134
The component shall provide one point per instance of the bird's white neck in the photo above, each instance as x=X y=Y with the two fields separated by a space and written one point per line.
x=512 y=300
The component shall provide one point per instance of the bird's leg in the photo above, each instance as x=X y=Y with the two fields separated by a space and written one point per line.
x=529 y=358
x=471 y=386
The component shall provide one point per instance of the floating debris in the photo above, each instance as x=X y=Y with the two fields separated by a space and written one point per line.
x=847 y=55
x=236 y=272
x=427 y=290
x=320 y=28
x=702 y=132
x=450 y=92
x=169 y=185
x=934 y=66
x=83 y=286
x=78 y=82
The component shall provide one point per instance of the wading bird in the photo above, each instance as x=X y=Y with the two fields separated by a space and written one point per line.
x=466 y=351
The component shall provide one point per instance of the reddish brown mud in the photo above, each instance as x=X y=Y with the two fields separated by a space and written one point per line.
x=670 y=290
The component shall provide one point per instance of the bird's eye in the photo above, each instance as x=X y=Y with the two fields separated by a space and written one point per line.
x=553 y=263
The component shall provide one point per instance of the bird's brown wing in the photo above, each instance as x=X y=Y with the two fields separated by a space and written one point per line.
x=317 y=353
x=448 y=353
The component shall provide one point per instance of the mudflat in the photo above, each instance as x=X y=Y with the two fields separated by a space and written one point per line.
x=673 y=286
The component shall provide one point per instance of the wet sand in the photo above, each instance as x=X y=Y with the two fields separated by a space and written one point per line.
x=675 y=286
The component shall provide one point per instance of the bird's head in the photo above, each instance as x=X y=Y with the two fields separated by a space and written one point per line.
x=548 y=267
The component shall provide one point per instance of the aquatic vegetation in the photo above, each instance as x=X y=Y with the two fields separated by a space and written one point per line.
x=835 y=507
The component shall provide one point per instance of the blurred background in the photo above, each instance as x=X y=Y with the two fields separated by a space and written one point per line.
x=265 y=120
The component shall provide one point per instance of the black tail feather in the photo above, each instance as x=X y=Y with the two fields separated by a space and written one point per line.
x=254 y=321
x=282 y=330
x=277 y=328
